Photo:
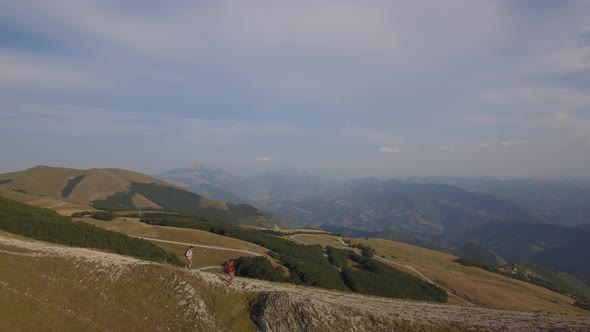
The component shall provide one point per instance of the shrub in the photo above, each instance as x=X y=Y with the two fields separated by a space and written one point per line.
x=259 y=268
x=47 y=225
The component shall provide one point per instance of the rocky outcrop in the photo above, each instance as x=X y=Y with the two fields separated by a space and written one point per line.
x=280 y=311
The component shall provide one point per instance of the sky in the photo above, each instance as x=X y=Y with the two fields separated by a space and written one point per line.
x=338 y=88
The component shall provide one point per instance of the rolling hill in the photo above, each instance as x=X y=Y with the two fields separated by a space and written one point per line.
x=70 y=288
x=117 y=189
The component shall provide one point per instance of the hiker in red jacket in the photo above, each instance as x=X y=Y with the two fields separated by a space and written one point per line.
x=229 y=267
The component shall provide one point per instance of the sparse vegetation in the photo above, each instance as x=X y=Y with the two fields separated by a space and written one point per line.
x=47 y=225
x=3 y=181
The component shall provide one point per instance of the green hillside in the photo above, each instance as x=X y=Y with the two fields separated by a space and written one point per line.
x=562 y=282
x=174 y=199
x=117 y=189
x=472 y=251
x=557 y=247
x=308 y=266
x=47 y=225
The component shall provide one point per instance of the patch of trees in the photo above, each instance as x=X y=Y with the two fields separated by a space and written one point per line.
x=72 y=183
x=375 y=278
x=307 y=264
x=47 y=225
x=258 y=268
x=469 y=262
x=173 y=199
x=366 y=251
x=100 y=215
x=4 y=181
x=117 y=201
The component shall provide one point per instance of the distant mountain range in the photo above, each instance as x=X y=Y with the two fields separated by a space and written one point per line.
x=507 y=217
x=117 y=189
x=267 y=186
x=565 y=203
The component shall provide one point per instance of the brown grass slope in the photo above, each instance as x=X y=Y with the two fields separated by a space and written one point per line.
x=53 y=288
x=98 y=183
x=467 y=285
x=472 y=285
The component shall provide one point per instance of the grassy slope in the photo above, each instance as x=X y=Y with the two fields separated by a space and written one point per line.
x=99 y=184
x=478 y=286
x=41 y=180
x=61 y=294
x=203 y=257
x=96 y=184
x=564 y=280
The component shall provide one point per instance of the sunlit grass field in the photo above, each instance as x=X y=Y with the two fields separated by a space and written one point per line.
x=480 y=287
x=202 y=256
x=64 y=294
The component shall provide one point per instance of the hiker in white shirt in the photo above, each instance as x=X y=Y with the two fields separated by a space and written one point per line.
x=189 y=256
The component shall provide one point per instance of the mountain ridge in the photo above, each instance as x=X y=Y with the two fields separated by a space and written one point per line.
x=118 y=189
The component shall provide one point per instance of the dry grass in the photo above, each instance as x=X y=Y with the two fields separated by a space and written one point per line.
x=321 y=239
x=65 y=294
x=48 y=181
x=476 y=285
x=133 y=226
x=202 y=256
x=97 y=183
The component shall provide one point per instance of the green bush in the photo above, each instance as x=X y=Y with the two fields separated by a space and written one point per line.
x=376 y=278
x=47 y=225
x=259 y=268
x=100 y=215
x=367 y=252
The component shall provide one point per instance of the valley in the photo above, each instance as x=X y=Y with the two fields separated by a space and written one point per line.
x=467 y=290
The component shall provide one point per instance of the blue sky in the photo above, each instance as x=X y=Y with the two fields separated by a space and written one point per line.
x=338 y=88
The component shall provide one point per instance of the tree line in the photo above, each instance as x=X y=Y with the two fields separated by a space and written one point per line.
x=47 y=225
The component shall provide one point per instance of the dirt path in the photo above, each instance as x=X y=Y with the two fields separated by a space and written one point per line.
x=325 y=302
x=201 y=246
x=55 y=205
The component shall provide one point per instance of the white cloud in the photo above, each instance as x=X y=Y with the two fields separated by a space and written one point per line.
x=262 y=159
x=23 y=71
x=386 y=149
x=373 y=136
x=76 y=120
x=255 y=160
x=484 y=145
x=513 y=143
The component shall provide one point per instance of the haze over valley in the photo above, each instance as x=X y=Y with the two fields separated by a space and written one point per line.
x=295 y=166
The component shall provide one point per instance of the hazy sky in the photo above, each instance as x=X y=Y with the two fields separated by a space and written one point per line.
x=338 y=88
